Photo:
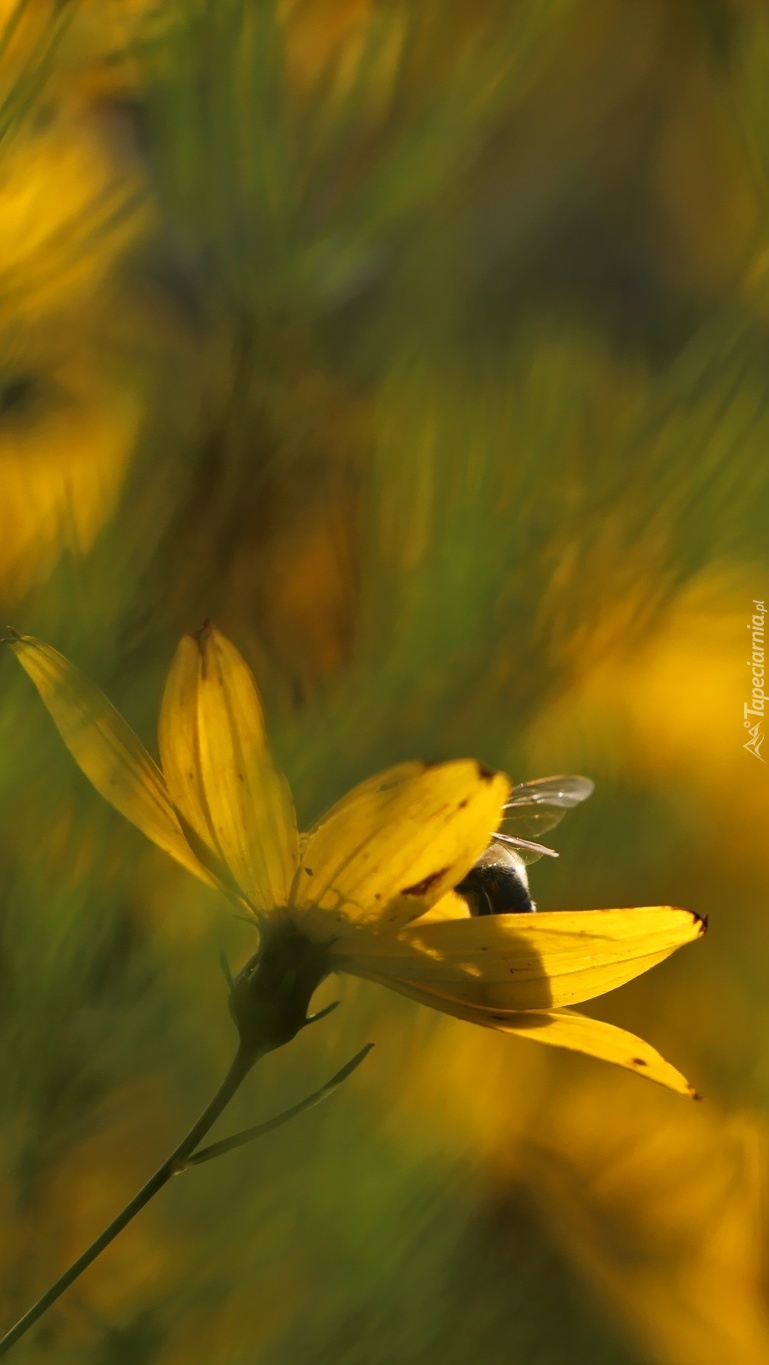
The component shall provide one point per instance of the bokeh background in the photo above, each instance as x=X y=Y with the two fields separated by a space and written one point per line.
x=425 y=347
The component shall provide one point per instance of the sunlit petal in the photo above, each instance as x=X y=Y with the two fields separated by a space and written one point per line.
x=450 y=906
x=395 y=845
x=106 y=749
x=523 y=962
x=566 y=1029
x=219 y=770
x=391 y=780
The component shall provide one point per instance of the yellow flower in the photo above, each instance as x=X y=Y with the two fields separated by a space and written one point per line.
x=369 y=890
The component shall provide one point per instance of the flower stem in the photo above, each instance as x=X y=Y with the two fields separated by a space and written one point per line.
x=269 y=1125
x=241 y=1065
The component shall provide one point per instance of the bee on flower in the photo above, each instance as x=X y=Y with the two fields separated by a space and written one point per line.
x=371 y=889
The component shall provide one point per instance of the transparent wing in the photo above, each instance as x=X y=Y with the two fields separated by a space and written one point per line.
x=553 y=793
x=535 y=807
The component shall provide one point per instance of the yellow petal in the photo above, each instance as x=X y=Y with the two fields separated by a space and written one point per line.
x=393 y=779
x=106 y=749
x=578 y=1033
x=523 y=962
x=399 y=842
x=563 y=1028
x=450 y=906
x=219 y=770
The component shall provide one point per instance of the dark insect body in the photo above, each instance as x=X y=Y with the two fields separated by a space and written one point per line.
x=497 y=884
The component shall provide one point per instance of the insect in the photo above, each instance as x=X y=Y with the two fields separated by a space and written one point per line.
x=497 y=884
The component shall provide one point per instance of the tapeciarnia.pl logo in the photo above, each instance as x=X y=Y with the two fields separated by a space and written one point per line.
x=753 y=711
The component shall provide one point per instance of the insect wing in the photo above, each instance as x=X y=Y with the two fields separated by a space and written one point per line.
x=560 y=793
x=538 y=806
x=528 y=851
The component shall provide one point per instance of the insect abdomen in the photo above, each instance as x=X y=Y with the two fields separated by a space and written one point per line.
x=497 y=885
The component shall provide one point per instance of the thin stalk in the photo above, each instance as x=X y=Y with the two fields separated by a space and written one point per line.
x=241 y=1065
x=269 y=1125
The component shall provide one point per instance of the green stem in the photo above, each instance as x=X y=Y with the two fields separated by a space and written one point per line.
x=269 y=1125
x=243 y=1061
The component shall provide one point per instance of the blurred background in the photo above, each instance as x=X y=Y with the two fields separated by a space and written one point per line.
x=425 y=347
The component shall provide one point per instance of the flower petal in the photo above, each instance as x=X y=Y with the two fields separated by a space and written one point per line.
x=220 y=772
x=523 y=962
x=595 y=1038
x=106 y=749
x=450 y=906
x=566 y=1029
x=399 y=842
x=391 y=779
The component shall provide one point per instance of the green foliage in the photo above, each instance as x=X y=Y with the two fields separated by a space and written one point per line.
x=428 y=490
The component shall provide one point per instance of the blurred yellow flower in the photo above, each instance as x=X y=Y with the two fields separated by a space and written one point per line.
x=67 y=432
x=369 y=890
x=71 y=209
x=682 y=1192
